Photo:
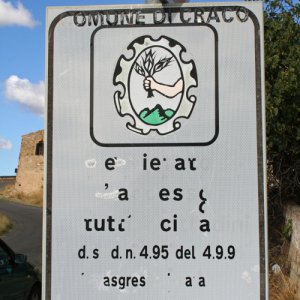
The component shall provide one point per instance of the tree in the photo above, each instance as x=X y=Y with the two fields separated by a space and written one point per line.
x=282 y=66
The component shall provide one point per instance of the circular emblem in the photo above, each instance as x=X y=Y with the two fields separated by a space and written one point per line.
x=156 y=82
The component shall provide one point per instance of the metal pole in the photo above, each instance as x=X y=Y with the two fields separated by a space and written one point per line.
x=165 y=1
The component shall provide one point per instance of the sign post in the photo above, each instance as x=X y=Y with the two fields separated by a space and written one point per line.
x=155 y=179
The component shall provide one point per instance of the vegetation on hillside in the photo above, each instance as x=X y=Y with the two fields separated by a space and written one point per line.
x=282 y=57
x=282 y=66
x=34 y=198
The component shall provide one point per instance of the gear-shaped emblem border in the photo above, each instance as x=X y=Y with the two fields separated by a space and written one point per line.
x=122 y=72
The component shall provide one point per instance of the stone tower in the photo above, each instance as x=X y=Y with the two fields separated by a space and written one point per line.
x=31 y=163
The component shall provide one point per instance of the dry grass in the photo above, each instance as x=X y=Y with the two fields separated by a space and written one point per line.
x=281 y=288
x=35 y=198
x=9 y=192
x=5 y=224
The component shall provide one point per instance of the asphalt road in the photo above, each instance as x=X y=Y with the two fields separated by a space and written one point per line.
x=26 y=235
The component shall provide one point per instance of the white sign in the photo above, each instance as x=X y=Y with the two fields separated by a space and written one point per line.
x=156 y=153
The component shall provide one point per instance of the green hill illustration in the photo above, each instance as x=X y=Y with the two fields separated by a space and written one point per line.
x=156 y=115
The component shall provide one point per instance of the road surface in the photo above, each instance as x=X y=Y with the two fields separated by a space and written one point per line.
x=26 y=235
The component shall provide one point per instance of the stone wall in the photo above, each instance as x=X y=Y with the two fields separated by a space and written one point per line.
x=31 y=163
x=7 y=180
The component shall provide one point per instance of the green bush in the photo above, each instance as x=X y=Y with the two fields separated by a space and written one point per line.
x=282 y=66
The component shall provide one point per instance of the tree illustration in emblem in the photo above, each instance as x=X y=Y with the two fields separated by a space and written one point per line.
x=155 y=69
x=149 y=66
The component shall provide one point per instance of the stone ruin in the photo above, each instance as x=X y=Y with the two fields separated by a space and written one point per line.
x=30 y=172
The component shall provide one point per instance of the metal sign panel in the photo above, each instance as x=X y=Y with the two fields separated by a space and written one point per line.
x=155 y=153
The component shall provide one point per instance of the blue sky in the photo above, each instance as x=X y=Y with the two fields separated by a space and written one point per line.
x=22 y=68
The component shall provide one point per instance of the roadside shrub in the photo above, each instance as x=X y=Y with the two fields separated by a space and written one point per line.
x=282 y=56
x=5 y=224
